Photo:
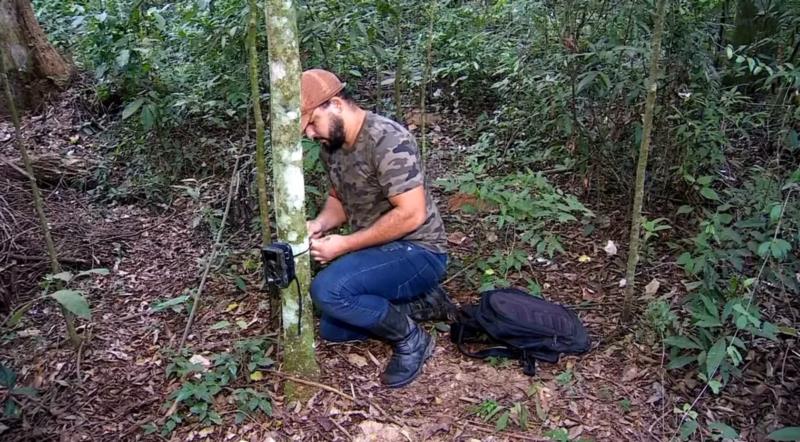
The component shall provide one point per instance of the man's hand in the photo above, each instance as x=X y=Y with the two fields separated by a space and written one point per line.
x=315 y=229
x=326 y=249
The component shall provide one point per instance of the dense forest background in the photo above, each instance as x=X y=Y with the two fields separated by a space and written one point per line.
x=529 y=115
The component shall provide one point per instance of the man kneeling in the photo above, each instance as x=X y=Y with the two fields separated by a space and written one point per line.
x=388 y=270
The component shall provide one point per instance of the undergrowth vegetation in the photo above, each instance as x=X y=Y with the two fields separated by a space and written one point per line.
x=554 y=90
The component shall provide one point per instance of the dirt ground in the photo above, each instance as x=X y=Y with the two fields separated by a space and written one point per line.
x=116 y=383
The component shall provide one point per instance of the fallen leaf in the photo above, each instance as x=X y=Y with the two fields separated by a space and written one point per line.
x=630 y=374
x=357 y=360
x=456 y=238
x=623 y=282
x=584 y=258
x=574 y=432
x=256 y=376
x=430 y=429
x=376 y=431
x=200 y=360
x=491 y=237
x=652 y=287
x=232 y=306
x=610 y=248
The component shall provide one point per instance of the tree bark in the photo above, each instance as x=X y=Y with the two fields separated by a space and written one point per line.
x=641 y=166
x=255 y=97
x=34 y=66
x=289 y=190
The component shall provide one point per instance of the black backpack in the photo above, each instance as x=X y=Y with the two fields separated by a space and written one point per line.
x=520 y=326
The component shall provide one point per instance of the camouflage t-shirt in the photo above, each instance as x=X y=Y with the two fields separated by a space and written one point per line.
x=383 y=162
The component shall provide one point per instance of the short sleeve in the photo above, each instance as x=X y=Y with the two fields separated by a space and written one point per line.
x=397 y=163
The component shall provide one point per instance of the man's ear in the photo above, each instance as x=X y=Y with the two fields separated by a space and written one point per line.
x=338 y=104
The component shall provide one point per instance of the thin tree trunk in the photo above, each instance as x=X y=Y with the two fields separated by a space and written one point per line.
x=425 y=79
x=55 y=267
x=289 y=188
x=398 y=72
x=398 y=90
x=255 y=96
x=641 y=166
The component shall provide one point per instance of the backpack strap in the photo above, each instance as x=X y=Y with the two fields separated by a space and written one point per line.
x=527 y=360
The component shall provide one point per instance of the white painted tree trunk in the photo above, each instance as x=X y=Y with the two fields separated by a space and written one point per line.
x=289 y=186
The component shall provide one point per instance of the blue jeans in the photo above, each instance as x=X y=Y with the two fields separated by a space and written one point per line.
x=355 y=291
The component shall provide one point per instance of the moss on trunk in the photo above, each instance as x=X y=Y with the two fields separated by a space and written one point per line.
x=287 y=152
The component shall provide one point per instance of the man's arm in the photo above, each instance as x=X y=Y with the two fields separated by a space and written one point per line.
x=331 y=216
x=409 y=212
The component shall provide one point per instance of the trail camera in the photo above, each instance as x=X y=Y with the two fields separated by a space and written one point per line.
x=278 y=263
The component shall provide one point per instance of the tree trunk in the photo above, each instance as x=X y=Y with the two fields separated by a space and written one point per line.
x=34 y=66
x=255 y=97
x=289 y=189
x=641 y=166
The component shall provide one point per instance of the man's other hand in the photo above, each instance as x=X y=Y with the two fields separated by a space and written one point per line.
x=315 y=229
x=326 y=249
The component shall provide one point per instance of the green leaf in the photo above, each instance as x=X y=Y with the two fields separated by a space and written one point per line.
x=148 y=117
x=792 y=139
x=63 y=276
x=502 y=421
x=685 y=209
x=92 y=272
x=11 y=410
x=763 y=249
x=219 y=325
x=169 y=303
x=74 y=301
x=709 y=193
x=132 y=107
x=149 y=428
x=682 y=342
x=123 y=58
x=715 y=356
x=705 y=180
x=26 y=391
x=780 y=248
x=729 y=52
x=775 y=213
x=724 y=430
x=13 y=320
x=788 y=433
x=680 y=361
x=688 y=428
x=240 y=283
x=586 y=81
x=8 y=377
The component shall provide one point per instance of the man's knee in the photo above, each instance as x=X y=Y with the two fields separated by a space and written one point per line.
x=326 y=289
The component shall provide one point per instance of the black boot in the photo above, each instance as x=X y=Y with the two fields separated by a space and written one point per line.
x=434 y=305
x=412 y=346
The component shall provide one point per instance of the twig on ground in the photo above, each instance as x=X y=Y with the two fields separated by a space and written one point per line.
x=342 y=429
x=313 y=384
x=463 y=269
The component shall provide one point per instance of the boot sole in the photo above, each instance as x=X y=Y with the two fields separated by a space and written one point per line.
x=428 y=354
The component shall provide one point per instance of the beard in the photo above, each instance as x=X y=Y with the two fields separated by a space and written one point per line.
x=336 y=139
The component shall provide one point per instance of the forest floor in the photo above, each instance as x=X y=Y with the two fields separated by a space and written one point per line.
x=115 y=386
